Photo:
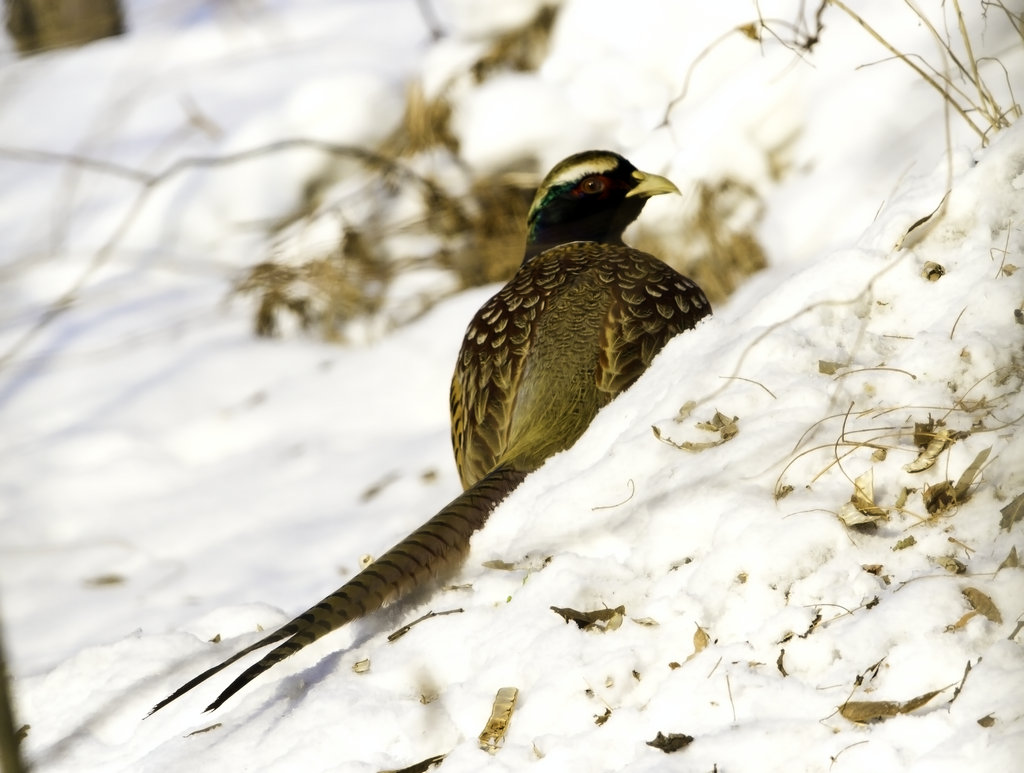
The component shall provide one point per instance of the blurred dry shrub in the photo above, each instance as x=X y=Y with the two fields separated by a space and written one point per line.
x=469 y=227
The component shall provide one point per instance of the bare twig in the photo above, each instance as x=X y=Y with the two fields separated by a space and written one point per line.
x=408 y=626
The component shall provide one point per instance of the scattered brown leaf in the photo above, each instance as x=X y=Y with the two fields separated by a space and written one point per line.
x=904 y=543
x=901 y=498
x=863 y=712
x=783 y=491
x=701 y=640
x=862 y=508
x=949 y=563
x=721 y=424
x=1011 y=561
x=829 y=368
x=983 y=604
x=1012 y=513
x=937 y=442
x=964 y=482
x=939 y=498
x=599 y=619
x=672 y=742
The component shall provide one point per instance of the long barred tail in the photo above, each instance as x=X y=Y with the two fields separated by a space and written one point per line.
x=437 y=546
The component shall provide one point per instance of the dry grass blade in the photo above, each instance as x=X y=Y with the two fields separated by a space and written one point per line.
x=942 y=89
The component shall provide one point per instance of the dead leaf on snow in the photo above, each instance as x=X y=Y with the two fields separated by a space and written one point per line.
x=904 y=543
x=862 y=508
x=1011 y=561
x=937 y=442
x=650 y=622
x=876 y=711
x=701 y=640
x=924 y=431
x=949 y=563
x=829 y=368
x=901 y=498
x=721 y=424
x=599 y=619
x=1012 y=513
x=967 y=478
x=939 y=498
x=983 y=604
x=672 y=742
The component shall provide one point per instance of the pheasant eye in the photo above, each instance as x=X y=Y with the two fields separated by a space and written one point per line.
x=594 y=184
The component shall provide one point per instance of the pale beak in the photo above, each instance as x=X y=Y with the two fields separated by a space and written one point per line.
x=651 y=185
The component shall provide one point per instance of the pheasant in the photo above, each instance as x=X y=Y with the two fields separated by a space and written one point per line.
x=577 y=324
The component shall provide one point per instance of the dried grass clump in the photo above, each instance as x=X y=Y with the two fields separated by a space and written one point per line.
x=425 y=125
x=476 y=238
x=321 y=294
x=519 y=50
x=963 y=80
x=426 y=122
x=477 y=234
x=903 y=450
x=493 y=244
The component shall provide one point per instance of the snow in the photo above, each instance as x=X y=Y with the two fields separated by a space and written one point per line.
x=168 y=477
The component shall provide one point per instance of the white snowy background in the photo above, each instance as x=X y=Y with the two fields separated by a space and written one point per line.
x=168 y=477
